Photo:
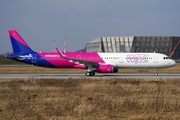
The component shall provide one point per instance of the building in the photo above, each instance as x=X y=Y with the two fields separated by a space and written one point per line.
x=168 y=45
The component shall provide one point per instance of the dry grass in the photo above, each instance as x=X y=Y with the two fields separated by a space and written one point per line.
x=36 y=70
x=41 y=70
x=133 y=99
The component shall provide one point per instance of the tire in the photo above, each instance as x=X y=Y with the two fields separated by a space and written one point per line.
x=92 y=73
x=155 y=74
x=88 y=73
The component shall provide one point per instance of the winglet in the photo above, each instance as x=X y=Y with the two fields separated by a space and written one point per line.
x=60 y=53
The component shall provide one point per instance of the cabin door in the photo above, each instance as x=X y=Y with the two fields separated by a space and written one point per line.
x=155 y=58
x=33 y=58
x=79 y=57
x=121 y=60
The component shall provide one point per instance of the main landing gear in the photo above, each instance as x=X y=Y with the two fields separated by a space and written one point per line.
x=92 y=73
x=155 y=73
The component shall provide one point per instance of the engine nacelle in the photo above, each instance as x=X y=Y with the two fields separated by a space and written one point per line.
x=106 y=69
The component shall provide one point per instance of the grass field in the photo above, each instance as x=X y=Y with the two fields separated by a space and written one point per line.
x=104 y=99
x=55 y=99
x=4 y=61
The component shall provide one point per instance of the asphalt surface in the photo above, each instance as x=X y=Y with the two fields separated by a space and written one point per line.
x=98 y=76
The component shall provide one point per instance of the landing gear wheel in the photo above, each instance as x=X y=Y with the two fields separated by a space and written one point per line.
x=155 y=74
x=87 y=73
x=90 y=73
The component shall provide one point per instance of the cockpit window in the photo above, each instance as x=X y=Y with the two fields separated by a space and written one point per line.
x=166 y=58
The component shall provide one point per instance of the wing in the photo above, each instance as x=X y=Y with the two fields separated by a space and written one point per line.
x=84 y=62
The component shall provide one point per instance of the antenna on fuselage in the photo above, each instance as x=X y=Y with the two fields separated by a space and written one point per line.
x=54 y=45
x=64 y=45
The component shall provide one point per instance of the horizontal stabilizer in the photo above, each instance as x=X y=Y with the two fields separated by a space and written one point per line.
x=21 y=57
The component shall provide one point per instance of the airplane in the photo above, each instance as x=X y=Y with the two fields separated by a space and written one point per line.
x=92 y=61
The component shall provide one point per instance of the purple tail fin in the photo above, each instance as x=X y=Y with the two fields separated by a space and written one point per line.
x=18 y=44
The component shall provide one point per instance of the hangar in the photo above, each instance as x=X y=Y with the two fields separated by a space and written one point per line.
x=168 y=45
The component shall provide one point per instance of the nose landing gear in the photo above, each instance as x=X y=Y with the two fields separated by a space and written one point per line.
x=155 y=72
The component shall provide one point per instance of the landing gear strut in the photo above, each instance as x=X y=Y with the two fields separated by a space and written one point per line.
x=92 y=73
x=155 y=73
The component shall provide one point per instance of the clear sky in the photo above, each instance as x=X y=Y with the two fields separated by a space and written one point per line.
x=40 y=22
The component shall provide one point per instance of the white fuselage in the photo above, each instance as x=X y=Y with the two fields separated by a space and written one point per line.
x=137 y=60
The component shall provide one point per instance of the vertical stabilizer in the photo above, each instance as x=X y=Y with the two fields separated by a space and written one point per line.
x=18 y=44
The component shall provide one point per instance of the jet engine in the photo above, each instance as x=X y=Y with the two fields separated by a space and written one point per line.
x=106 y=69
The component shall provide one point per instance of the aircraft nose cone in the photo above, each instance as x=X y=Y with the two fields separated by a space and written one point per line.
x=173 y=63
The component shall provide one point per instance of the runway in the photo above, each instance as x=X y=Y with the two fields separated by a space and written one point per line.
x=77 y=76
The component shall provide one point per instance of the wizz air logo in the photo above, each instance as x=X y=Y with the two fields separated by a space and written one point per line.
x=137 y=58
x=28 y=56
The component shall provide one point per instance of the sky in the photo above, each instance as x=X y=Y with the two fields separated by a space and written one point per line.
x=41 y=22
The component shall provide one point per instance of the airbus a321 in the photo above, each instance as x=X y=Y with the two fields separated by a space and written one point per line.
x=92 y=61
